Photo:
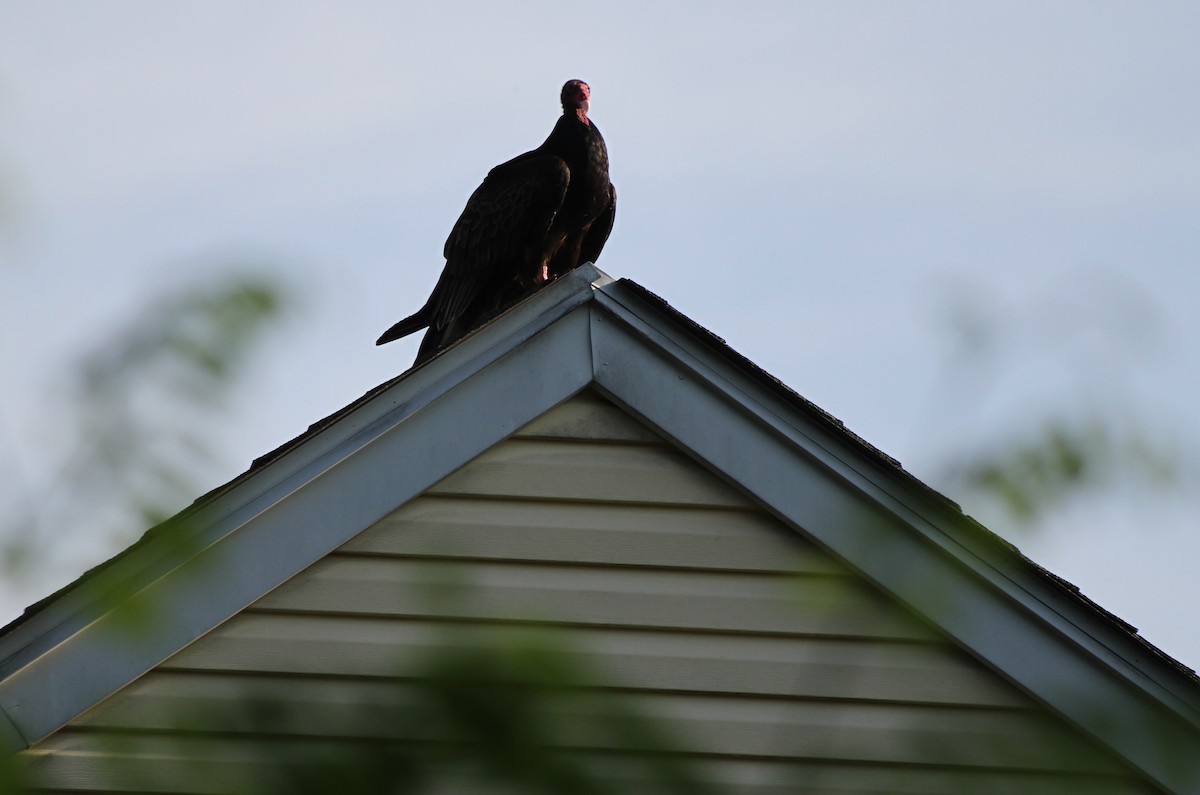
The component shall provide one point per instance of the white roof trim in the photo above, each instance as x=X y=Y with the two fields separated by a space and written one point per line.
x=267 y=526
x=282 y=518
x=898 y=538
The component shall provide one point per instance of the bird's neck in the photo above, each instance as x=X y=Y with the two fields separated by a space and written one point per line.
x=578 y=113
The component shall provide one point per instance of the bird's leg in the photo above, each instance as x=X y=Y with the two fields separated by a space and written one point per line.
x=553 y=242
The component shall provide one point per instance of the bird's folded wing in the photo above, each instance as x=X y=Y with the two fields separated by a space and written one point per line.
x=509 y=213
x=597 y=234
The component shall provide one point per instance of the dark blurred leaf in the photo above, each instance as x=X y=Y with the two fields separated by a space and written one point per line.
x=485 y=710
x=1039 y=472
x=141 y=409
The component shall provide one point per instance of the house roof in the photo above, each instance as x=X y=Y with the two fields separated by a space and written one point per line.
x=299 y=502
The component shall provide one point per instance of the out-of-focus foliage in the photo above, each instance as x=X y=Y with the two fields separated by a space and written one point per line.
x=138 y=415
x=136 y=390
x=1085 y=432
x=505 y=716
x=494 y=718
x=500 y=717
x=13 y=776
x=1038 y=471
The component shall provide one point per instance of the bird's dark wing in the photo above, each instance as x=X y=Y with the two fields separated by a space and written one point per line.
x=509 y=213
x=597 y=234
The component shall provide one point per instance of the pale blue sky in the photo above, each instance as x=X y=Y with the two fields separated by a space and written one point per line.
x=822 y=184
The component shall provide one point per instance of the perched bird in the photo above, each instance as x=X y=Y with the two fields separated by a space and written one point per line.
x=533 y=219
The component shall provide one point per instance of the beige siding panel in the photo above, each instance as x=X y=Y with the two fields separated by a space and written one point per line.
x=730 y=602
x=669 y=661
x=723 y=726
x=570 y=470
x=588 y=416
x=592 y=533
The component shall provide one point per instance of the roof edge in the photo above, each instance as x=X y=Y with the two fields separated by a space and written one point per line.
x=909 y=532
x=275 y=507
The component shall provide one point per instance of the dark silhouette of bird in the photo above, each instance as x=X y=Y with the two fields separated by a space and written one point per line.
x=533 y=219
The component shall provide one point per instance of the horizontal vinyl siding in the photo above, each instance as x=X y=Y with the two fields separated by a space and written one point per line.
x=209 y=764
x=647 y=598
x=570 y=470
x=777 y=669
x=711 y=725
x=736 y=664
x=590 y=532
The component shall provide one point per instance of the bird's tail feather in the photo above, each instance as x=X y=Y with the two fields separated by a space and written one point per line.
x=408 y=325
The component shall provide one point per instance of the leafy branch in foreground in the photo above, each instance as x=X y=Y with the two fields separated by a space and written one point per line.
x=1035 y=473
x=136 y=418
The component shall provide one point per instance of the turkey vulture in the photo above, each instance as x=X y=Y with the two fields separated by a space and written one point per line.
x=533 y=219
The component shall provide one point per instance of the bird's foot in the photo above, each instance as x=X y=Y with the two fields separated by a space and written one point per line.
x=542 y=276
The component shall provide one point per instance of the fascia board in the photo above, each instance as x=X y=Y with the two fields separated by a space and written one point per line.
x=216 y=514
x=802 y=474
x=298 y=508
x=883 y=479
x=941 y=520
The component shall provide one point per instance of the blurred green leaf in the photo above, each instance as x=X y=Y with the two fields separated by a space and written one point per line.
x=505 y=713
x=139 y=413
x=1036 y=473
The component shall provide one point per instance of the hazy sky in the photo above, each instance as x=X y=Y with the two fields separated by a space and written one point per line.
x=838 y=189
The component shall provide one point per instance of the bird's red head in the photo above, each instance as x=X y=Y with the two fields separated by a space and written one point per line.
x=576 y=96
